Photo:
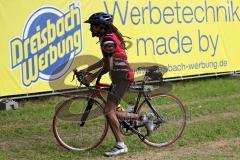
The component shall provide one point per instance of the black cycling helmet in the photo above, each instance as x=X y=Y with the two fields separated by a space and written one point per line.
x=100 y=17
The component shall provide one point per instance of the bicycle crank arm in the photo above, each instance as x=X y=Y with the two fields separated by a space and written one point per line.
x=141 y=136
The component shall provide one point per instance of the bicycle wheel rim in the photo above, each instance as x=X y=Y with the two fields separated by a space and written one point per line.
x=61 y=139
x=179 y=131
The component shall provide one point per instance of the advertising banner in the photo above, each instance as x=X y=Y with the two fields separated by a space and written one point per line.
x=43 y=41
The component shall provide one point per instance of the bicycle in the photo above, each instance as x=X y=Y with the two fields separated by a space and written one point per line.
x=79 y=122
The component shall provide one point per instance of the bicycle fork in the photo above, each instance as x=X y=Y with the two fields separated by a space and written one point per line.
x=86 y=112
x=89 y=107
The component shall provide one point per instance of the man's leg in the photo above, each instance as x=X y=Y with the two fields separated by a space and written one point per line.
x=113 y=100
x=125 y=115
x=120 y=147
x=116 y=94
x=113 y=120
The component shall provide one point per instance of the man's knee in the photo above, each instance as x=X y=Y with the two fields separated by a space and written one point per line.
x=109 y=108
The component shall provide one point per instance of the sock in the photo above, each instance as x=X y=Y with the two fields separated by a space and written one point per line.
x=143 y=118
x=121 y=144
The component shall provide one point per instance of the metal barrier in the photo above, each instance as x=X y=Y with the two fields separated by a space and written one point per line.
x=81 y=90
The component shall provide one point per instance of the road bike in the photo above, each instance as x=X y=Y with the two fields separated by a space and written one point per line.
x=79 y=123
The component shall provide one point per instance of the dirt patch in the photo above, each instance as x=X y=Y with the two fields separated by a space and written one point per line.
x=223 y=148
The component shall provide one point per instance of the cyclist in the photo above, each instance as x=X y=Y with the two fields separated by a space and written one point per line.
x=115 y=62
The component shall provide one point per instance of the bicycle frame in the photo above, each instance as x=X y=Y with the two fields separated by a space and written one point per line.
x=97 y=93
x=146 y=98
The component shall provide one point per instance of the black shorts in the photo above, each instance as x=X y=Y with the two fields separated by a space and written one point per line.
x=120 y=84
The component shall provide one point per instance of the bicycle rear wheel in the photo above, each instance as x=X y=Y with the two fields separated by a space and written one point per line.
x=171 y=124
x=71 y=131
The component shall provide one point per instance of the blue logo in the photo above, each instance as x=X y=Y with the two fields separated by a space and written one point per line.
x=51 y=40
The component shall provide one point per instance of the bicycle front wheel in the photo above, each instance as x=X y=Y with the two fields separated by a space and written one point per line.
x=169 y=119
x=79 y=124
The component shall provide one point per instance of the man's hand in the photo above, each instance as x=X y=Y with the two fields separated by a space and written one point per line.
x=89 y=77
x=86 y=77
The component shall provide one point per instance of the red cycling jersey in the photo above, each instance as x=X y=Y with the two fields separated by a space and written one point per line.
x=111 y=46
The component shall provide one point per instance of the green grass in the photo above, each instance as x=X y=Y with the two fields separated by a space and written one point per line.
x=213 y=107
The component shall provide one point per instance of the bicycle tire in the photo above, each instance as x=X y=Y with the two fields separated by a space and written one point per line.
x=62 y=122
x=157 y=138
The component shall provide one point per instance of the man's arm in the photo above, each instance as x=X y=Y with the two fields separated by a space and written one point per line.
x=104 y=64
x=95 y=66
x=104 y=70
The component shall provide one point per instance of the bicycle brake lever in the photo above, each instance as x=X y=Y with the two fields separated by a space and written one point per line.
x=73 y=77
x=74 y=74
